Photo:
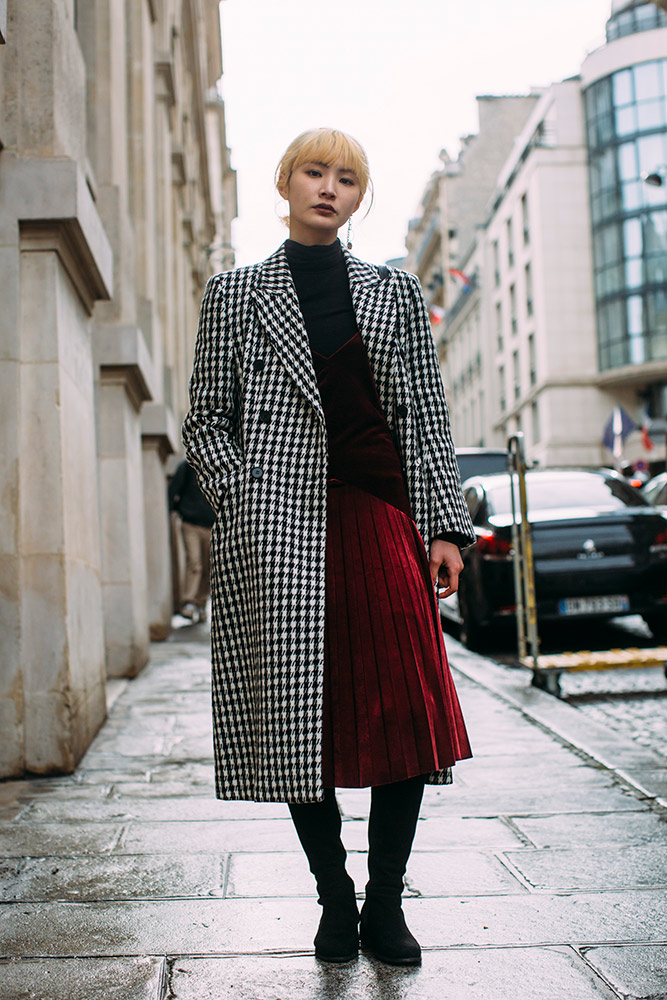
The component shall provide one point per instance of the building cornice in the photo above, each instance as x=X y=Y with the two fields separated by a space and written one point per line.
x=632 y=374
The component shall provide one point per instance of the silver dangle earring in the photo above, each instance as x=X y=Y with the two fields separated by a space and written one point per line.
x=348 y=242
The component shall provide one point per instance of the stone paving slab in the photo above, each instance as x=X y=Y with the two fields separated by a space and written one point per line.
x=637 y=972
x=203 y=926
x=146 y=803
x=113 y=878
x=83 y=979
x=203 y=838
x=429 y=874
x=544 y=974
x=40 y=839
x=588 y=828
x=441 y=833
x=593 y=868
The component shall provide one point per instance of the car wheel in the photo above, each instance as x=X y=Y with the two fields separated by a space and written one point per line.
x=471 y=633
x=658 y=626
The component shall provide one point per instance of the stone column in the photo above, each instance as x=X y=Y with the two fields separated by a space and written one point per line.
x=125 y=372
x=158 y=443
x=56 y=263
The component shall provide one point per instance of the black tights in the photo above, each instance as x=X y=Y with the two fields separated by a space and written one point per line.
x=391 y=829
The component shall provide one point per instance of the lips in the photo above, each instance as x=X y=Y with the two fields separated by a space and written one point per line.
x=323 y=207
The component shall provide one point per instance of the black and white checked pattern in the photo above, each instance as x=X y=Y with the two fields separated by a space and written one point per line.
x=255 y=433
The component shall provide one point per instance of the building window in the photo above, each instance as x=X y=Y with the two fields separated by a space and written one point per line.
x=513 y=318
x=496 y=263
x=528 y=273
x=525 y=219
x=532 y=361
x=516 y=380
x=535 y=420
x=626 y=128
x=501 y=389
x=499 y=325
x=510 y=243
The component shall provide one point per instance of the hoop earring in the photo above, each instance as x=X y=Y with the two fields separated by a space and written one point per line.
x=348 y=242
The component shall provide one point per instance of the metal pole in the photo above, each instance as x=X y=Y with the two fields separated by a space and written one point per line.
x=516 y=552
x=525 y=596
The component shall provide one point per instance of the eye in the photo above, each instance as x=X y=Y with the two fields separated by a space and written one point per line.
x=313 y=172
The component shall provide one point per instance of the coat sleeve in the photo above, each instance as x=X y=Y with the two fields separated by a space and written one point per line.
x=448 y=513
x=210 y=428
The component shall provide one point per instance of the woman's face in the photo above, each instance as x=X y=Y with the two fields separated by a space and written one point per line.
x=321 y=200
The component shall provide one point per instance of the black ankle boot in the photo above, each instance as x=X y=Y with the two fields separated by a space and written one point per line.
x=318 y=825
x=385 y=933
x=391 y=830
x=337 y=938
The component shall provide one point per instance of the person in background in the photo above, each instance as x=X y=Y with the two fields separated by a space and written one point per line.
x=197 y=519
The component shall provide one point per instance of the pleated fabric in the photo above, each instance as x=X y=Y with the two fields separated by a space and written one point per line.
x=390 y=707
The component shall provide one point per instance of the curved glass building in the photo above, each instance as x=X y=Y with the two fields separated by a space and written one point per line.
x=625 y=94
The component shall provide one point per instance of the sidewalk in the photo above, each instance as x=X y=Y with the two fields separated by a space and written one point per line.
x=541 y=874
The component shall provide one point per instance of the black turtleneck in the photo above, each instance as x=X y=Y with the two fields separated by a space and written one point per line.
x=323 y=289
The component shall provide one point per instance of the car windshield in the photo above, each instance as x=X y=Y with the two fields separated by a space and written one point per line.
x=566 y=490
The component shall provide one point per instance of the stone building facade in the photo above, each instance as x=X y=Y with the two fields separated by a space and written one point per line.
x=116 y=199
x=564 y=315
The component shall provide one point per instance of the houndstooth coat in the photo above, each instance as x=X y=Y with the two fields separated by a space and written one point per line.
x=256 y=435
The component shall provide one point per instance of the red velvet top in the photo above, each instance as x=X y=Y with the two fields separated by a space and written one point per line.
x=361 y=448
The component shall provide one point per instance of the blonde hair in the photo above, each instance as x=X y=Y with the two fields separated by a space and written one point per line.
x=329 y=146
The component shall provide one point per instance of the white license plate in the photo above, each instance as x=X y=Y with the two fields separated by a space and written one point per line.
x=613 y=604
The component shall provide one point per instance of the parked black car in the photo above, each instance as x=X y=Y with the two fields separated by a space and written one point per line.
x=600 y=551
x=655 y=491
x=480 y=461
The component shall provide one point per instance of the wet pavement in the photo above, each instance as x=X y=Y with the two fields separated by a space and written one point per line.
x=542 y=873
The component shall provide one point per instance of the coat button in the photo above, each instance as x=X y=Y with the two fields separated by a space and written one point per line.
x=264 y=416
x=402 y=410
x=257 y=472
x=258 y=364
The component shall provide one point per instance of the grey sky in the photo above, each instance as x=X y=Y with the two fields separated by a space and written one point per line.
x=400 y=75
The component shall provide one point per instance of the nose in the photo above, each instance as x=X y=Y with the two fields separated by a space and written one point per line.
x=327 y=187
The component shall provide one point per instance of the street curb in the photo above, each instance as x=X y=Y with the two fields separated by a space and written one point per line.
x=632 y=764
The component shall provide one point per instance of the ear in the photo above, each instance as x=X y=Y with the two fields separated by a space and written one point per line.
x=283 y=190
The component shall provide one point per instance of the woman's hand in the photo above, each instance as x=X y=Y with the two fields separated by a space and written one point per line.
x=445 y=563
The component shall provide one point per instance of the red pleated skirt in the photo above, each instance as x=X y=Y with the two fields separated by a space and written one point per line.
x=390 y=708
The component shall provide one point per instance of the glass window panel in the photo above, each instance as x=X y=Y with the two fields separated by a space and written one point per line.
x=632 y=238
x=603 y=101
x=605 y=128
x=650 y=149
x=656 y=270
x=606 y=167
x=646 y=17
x=632 y=196
x=628 y=167
x=637 y=350
x=633 y=272
x=650 y=115
x=611 y=244
x=656 y=312
x=655 y=233
x=635 y=318
x=626 y=121
x=617 y=354
x=616 y=320
x=625 y=23
x=657 y=346
x=663 y=66
x=622 y=84
x=647 y=81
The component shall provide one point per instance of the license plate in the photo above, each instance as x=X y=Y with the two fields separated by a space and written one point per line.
x=613 y=604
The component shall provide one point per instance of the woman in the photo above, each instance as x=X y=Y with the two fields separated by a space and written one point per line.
x=319 y=431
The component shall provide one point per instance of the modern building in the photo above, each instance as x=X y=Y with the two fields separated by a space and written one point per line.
x=116 y=198
x=561 y=310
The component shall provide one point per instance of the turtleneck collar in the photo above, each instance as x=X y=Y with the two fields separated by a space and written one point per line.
x=314 y=258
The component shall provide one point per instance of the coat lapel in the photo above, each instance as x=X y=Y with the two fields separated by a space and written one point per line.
x=281 y=320
x=280 y=317
x=374 y=302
